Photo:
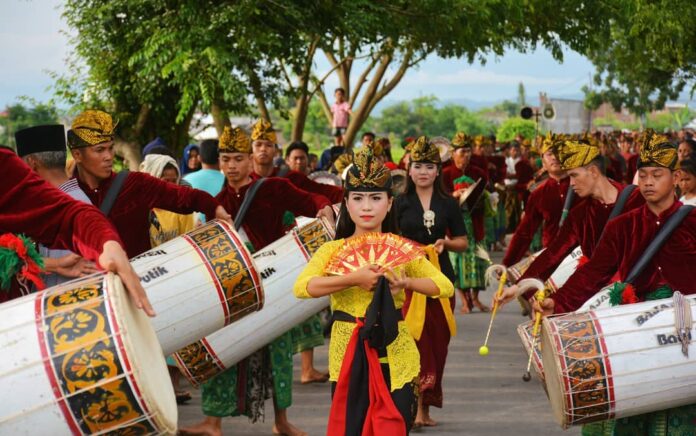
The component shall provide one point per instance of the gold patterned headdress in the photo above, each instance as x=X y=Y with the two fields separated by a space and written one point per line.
x=263 y=130
x=423 y=150
x=547 y=143
x=376 y=147
x=234 y=140
x=461 y=140
x=91 y=127
x=573 y=154
x=367 y=173
x=657 y=151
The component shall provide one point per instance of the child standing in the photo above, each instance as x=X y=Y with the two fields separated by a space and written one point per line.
x=340 y=110
x=687 y=181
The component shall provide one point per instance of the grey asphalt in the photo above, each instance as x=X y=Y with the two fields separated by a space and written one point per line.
x=482 y=395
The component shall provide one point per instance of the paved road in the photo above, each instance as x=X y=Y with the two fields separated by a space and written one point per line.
x=483 y=395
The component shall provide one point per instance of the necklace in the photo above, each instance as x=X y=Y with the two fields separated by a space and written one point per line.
x=428 y=220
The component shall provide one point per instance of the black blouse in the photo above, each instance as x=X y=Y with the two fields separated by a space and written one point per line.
x=448 y=221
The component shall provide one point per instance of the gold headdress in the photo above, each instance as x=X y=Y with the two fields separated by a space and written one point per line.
x=234 y=140
x=376 y=147
x=461 y=140
x=573 y=154
x=546 y=143
x=263 y=130
x=91 y=127
x=367 y=173
x=423 y=150
x=657 y=151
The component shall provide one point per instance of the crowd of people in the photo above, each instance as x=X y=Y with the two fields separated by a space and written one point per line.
x=462 y=199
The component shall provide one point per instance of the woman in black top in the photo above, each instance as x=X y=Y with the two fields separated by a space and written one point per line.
x=426 y=214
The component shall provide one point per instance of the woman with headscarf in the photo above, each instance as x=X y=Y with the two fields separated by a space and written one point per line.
x=190 y=162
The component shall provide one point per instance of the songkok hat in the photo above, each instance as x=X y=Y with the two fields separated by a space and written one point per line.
x=657 y=151
x=423 y=150
x=573 y=154
x=91 y=127
x=462 y=140
x=234 y=140
x=263 y=131
x=367 y=173
x=37 y=139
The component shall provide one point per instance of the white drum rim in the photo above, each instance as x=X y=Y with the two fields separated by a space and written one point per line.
x=555 y=387
x=148 y=367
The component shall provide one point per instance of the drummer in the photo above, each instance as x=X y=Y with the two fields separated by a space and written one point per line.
x=91 y=142
x=671 y=268
x=43 y=149
x=262 y=225
x=587 y=219
x=309 y=334
x=264 y=142
x=33 y=207
x=544 y=207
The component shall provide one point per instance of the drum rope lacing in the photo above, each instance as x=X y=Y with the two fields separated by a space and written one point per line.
x=682 y=323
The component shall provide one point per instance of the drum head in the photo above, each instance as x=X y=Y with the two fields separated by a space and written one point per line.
x=553 y=373
x=399 y=182
x=145 y=357
x=326 y=178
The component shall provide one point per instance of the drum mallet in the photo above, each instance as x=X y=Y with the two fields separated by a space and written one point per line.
x=540 y=295
x=483 y=351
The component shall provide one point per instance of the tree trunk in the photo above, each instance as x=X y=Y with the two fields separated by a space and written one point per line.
x=130 y=151
x=302 y=102
x=220 y=118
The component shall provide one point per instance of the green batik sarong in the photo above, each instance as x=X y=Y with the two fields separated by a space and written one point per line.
x=267 y=370
x=308 y=335
x=469 y=268
x=678 y=421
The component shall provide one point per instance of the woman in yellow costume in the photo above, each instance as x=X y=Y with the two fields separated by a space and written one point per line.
x=373 y=359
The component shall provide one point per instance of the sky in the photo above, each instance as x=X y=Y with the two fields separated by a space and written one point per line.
x=32 y=42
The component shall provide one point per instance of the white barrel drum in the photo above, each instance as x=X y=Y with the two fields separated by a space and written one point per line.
x=79 y=358
x=557 y=279
x=517 y=270
x=198 y=283
x=280 y=263
x=617 y=362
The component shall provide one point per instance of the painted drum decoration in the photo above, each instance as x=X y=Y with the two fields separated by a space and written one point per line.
x=618 y=362
x=516 y=270
x=524 y=331
x=566 y=269
x=79 y=358
x=198 y=283
x=280 y=263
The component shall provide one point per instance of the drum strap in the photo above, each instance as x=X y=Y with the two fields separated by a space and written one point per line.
x=658 y=241
x=112 y=193
x=248 y=198
x=618 y=206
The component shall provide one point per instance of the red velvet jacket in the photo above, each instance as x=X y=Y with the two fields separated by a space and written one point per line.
x=624 y=241
x=139 y=195
x=452 y=173
x=31 y=206
x=263 y=222
x=545 y=205
x=583 y=227
x=301 y=181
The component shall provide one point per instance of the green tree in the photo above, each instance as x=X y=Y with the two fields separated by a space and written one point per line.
x=521 y=98
x=155 y=63
x=19 y=117
x=511 y=127
x=649 y=56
